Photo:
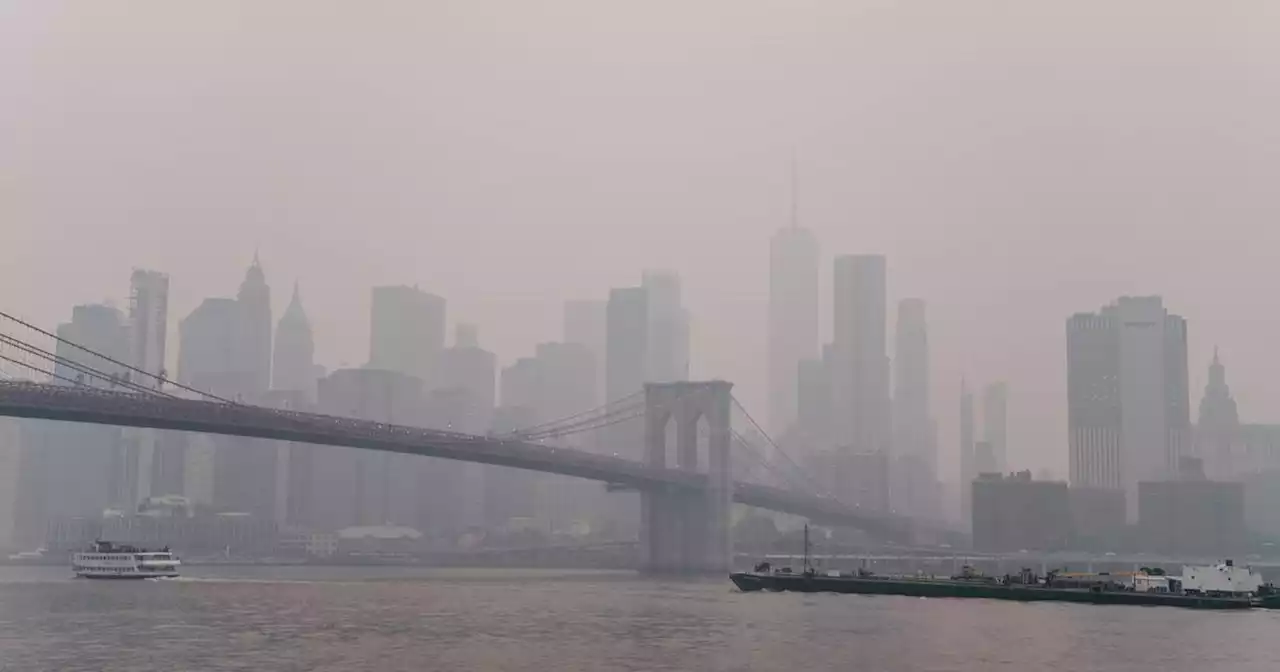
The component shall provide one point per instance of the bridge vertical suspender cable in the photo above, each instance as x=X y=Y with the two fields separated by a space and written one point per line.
x=559 y=422
x=778 y=449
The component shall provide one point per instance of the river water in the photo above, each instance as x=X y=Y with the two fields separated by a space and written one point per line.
x=351 y=619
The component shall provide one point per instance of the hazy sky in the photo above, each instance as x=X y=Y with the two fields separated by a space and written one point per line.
x=1016 y=160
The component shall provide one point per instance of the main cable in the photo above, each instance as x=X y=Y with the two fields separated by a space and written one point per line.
x=79 y=367
x=533 y=429
x=82 y=348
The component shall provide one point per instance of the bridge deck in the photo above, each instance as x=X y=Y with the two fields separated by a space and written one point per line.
x=91 y=405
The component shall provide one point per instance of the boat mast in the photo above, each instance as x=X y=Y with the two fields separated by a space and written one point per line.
x=806 y=548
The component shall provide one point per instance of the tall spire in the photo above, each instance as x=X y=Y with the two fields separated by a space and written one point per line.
x=1217 y=377
x=1218 y=422
x=294 y=315
x=255 y=279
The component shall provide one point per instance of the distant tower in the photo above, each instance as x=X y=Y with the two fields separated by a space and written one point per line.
x=915 y=451
x=148 y=328
x=406 y=333
x=253 y=354
x=584 y=322
x=861 y=379
x=1218 y=423
x=793 y=315
x=294 y=365
x=626 y=342
x=1128 y=414
x=968 y=458
x=148 y=321
x=913 y=435
x=68 y=469
x=668 y=358
x=995 y=431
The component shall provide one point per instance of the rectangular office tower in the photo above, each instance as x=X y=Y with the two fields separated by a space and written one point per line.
x=406 y=331
x=860 y=380
x=1129 y=415
x=793 y=319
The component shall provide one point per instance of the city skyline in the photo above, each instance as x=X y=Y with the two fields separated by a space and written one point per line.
x=949 y=465
x=997 y=199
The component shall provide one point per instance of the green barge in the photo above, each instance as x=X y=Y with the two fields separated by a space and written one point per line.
x=810 y=582
x=1222 y=586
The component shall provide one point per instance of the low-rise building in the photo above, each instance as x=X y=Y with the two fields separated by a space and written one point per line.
x=1015 y=512
x=1203 y=518
x=1097 y=518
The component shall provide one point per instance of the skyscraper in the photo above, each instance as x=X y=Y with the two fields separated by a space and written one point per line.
x=968 y=456
x=557 y=382
x=626 y=342
x=148 y=321
x=626 y=367
x=69 y=469
x=567 y=376
x=100 y=328
x=206 y=362
x=461 y=399
x=585 y=322
x=995 y=431
x=470 y=371
x=511 y=493
x=245 y=470
x=668 y=357
x=793 y=318
x=206 y=352
x=294 y=461
x=253 y=351
x=294 y=358
x=861 y=380
x=912 y=418
x=1218 y=424
x=148 y=328
x=1128 y=398
x=352 y=487
x=915 y=450
x=407 y=331
x=813 y=412
x=10 y=466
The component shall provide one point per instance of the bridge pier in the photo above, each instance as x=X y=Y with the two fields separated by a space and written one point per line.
x=688 y=531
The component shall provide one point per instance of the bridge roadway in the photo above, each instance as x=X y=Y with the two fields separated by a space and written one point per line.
x=123 y=409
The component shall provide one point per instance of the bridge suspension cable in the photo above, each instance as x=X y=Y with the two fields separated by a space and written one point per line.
x=583 y=424
x=42 y=358
x=812 y=482
x=627 y=412
x=83 y=369
x=611 y=417
x=160 y=380
x=32 y=367
x=558 y=422
x=759 y=459
x=598 y=423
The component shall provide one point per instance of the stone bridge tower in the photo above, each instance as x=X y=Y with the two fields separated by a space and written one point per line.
x=688 y=531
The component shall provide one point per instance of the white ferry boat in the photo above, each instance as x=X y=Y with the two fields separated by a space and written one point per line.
x=107 y=560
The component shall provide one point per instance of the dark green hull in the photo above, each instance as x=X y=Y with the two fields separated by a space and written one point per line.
x=978 y=589
x=1271 y=601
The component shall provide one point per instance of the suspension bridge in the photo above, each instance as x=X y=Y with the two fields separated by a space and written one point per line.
x=685 y=503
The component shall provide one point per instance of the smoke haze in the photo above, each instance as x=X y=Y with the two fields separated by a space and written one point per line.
x=1016 y=162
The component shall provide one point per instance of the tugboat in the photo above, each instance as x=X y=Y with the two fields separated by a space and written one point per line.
x=108 y=560
x=1025 y=586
